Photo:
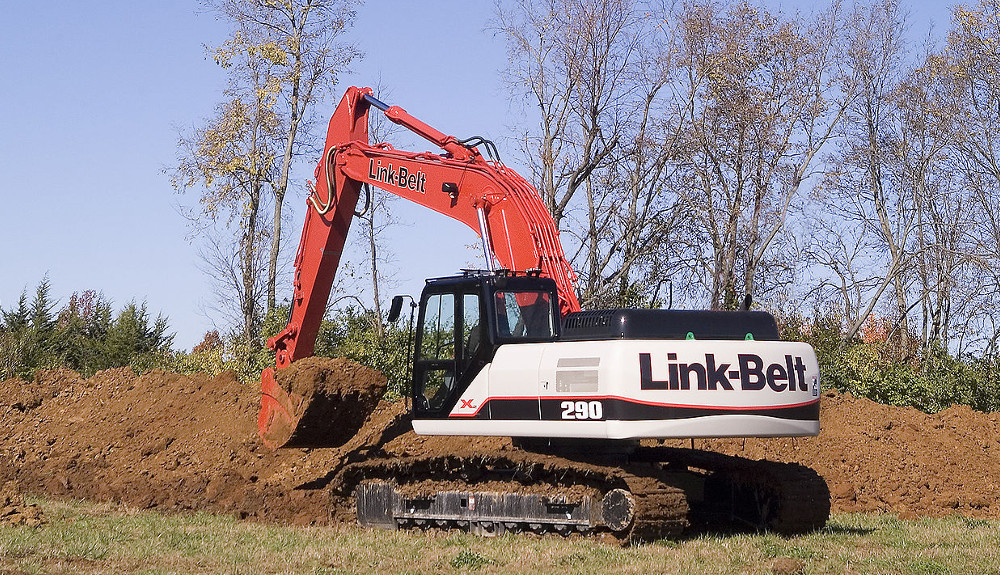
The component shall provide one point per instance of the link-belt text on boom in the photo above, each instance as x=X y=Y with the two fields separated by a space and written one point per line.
x=401 y=178
x=752 y=374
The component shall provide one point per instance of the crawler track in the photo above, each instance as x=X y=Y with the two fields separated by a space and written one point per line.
x=654 y=493
x=741 y=494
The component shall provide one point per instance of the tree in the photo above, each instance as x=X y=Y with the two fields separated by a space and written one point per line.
x=84 y=321
x=869 y=194
x=907 y=198
x=132 y=339
x=764 y=95
x=969 y=67
x=282 y=57
x=84 y=335
x=24 y=334
x=598 y=155
x=232 y=159
x=301 y=41
x=561 y=51
x=675 y=139
x=945 y=283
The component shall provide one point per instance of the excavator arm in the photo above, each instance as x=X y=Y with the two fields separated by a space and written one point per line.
x=497 y=203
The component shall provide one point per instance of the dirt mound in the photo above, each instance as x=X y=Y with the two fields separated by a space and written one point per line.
x=169 y=441
x=160 y=440
x=894 y=459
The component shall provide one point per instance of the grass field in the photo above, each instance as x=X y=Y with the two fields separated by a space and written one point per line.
x=93 y=538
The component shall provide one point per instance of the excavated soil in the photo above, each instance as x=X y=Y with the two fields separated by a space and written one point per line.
x=177 y=442
x=336 y=397
x=894 y=459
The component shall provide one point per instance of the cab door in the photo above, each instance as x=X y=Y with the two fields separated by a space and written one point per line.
x=434 y=365
x=524 y=321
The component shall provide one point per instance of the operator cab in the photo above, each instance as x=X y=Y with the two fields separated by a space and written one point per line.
x=464 y=319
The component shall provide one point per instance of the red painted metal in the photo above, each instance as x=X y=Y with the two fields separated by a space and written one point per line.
x=457 y=183
x=322 y=243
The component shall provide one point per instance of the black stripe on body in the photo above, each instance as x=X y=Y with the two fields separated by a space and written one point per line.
x=621 y=409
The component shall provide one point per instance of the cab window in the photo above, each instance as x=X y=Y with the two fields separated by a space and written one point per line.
x=525 y=314
x=435 y=369
x=438 y=338
x=472 y=331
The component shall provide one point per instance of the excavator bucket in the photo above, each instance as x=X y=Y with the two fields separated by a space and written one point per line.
x=316 y=402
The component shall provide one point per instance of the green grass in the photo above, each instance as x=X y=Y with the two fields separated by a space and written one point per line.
x=98 y=538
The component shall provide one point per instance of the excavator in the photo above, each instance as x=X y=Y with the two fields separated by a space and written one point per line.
x=587 y=397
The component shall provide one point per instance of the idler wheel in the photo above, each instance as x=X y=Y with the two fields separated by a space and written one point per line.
x=617 y=509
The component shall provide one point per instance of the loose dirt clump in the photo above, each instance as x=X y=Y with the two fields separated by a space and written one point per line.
x=336 y=395
x=183 y=442
x=14 y=510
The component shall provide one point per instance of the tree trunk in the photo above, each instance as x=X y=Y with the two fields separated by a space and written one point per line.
x=248 y=255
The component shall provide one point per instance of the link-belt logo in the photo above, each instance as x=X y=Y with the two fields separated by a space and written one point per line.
x=752 y=374
x=401 y=178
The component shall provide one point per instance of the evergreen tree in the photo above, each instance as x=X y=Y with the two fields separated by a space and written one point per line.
x=85 y=335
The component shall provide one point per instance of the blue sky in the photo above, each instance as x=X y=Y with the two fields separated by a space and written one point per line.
x=93 y=95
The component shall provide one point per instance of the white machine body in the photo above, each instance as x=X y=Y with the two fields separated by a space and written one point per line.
x=634 y=389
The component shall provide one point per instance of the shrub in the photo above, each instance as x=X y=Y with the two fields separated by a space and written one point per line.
x=346 y=333
x=875 y=366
